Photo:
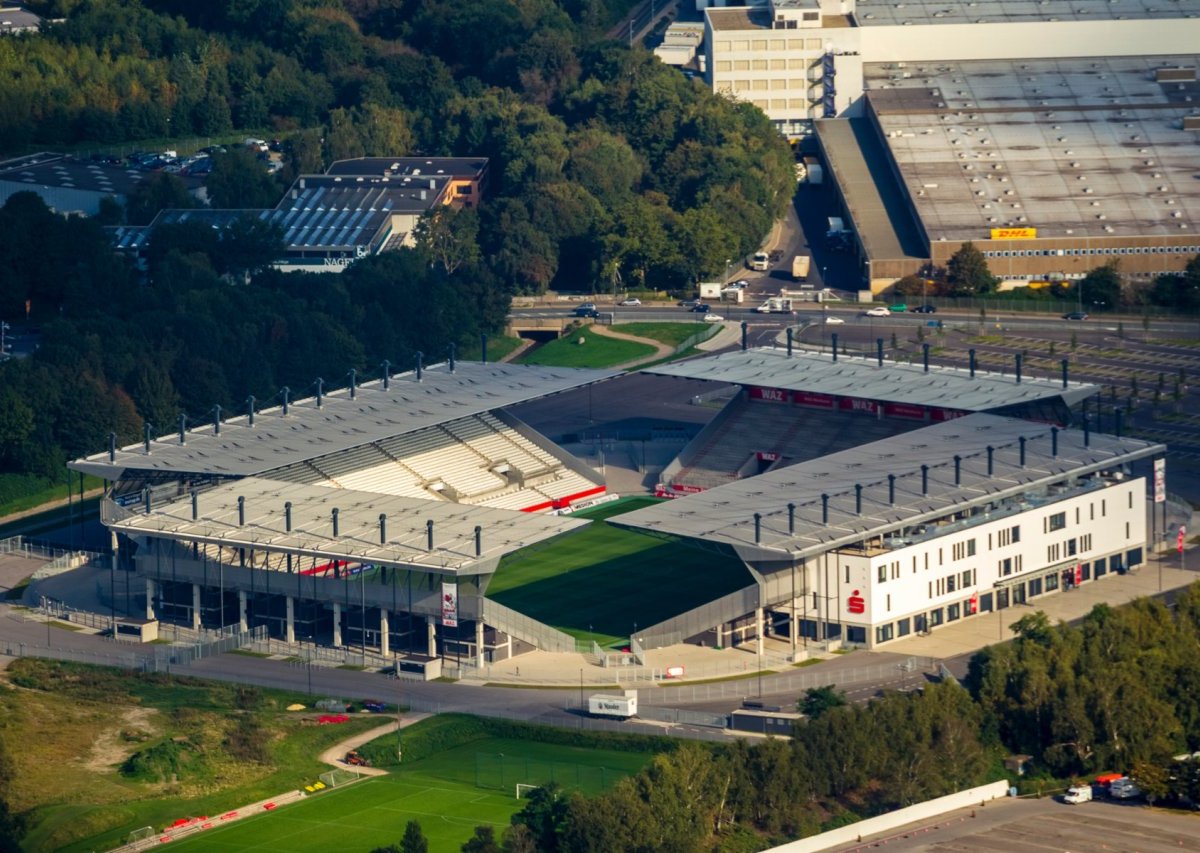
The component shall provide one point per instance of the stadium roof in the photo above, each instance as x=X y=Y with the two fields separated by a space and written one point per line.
x=341 y=422
x=1072 y=147
x=890 y=13
x=265 y=528
x=941 y=387
x=725 y=514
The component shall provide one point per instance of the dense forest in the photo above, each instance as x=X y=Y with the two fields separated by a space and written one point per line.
x=1120 y=692
x=609 y=170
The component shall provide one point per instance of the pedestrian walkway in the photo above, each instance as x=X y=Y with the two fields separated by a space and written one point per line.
x=661 y=350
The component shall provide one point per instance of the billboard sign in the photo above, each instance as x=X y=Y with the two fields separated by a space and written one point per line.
x=769 y=395
x=855 y=404
x=904 y=410
x=816 y=401
x=1160 y=480
x=449 y=605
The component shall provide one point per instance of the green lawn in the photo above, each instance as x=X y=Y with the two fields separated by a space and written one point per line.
x=597 y=582
x=595 y=351
x=449 y=793
x=671 y=334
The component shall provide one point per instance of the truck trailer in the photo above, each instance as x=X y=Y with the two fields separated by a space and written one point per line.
x=813 y=172
x=800 y=265
x=776 y=305
x=607 y=705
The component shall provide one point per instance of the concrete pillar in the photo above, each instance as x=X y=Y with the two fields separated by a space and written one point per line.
x=431 y=628
x=196 y=606
x=758 y=630
x=243 y=622
x=384 y=641
x=149 y=598
x=289 y=627
x=794 y=629
x=337 y=624
x=479 y=643
x=721 y=635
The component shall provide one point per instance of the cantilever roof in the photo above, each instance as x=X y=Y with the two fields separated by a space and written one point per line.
x=503 y=531
x=890 y=13
x=945 y=387
x=340 y=423
x=725 y=514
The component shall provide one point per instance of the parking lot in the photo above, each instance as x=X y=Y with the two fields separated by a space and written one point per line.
x=1047 y=824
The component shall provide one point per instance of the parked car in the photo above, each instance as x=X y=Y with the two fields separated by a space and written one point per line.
x=1124 y=789
x=740 y=284
x=713 y=318
x=1075 y=315
x=877 y=311
x=925 y=309
x=689 y=303
x=631 y=302
x=701 y=308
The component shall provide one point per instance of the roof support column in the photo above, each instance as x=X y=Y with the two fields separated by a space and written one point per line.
x=431 y=633
x=479 y=661
x=337 y=625
x=758 y=630
x=384 y=640
x=243 y=623
x=195 y=607
x=289 y=625
x=149 y=598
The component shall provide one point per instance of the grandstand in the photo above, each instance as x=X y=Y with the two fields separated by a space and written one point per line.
x=412 y=487
x=795 y=407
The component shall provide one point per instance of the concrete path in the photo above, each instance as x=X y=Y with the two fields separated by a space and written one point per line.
x=333 y=756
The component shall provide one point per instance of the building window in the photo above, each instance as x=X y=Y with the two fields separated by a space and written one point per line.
x=1101 y=568
x=1057 y=521
x=883 y=633
x=966 y=578
x=953 y=612
x=1131 y=500
x=1052 y=552
x=856 y=634
x=951 y=583
x=883 y=572
x=847 y=574
x=1035 y=587
x=1133 y=557
x=903 y=627
x=1071 y=547
x=1051 y=581
x=935 y=617
x=1016 y=533
x=889 y=603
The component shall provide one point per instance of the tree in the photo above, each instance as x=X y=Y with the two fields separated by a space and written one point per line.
x=484 y=841
x=160 y=192
x=1152 y=778
x=414 y=840
x=818 y=701
x=239 y=180
x=543 y=816
x=967 y=273
x=1101 y=286
x=450 y=237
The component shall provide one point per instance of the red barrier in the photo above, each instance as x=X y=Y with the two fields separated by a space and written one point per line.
x=269 y=806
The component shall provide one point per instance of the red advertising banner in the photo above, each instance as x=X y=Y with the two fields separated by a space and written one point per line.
x=816 y=401
x=686 y=489
x=768 y=395
x=766 y=456
x=946 y=414
x=854 y=404
x=904 y=410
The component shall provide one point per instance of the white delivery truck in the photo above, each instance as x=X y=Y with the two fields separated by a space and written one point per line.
x=606 y=705
x=800 y=265
x=1077 y=794
x=759 y=262
x=812 y=168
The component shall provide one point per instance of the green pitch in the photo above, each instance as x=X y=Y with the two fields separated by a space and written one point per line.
x=449 y=794
x=597 y=582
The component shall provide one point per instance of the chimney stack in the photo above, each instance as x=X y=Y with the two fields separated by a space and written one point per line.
x=387 y=374
x=250 y=401
x=382 y=529
x=146 y=427
x=790 y=336
x=757 y=528
x=429 y=535
x=925 y=356
x=241 y=511
x=182 y=428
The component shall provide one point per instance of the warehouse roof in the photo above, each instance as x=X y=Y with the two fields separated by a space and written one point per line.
x=890 y=13
x=453 y=167
x=311 y=533
x=339 y=421
x=59 y=170
x=1074 y=148
x=725 y=514
x=943 y=387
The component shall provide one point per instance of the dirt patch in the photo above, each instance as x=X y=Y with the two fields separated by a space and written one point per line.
x=112 y=747
x=333 y=756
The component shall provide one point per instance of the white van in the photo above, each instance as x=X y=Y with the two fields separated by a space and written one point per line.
x=1077 y=794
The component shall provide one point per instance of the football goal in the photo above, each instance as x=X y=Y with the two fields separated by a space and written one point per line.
x=141 y=834
x=524 y=789
x=338 y=777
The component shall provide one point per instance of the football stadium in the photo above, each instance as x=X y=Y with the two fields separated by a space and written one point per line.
x=830 y=499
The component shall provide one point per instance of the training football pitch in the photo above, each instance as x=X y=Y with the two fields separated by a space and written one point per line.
x=598 y=582
x=441 y=792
